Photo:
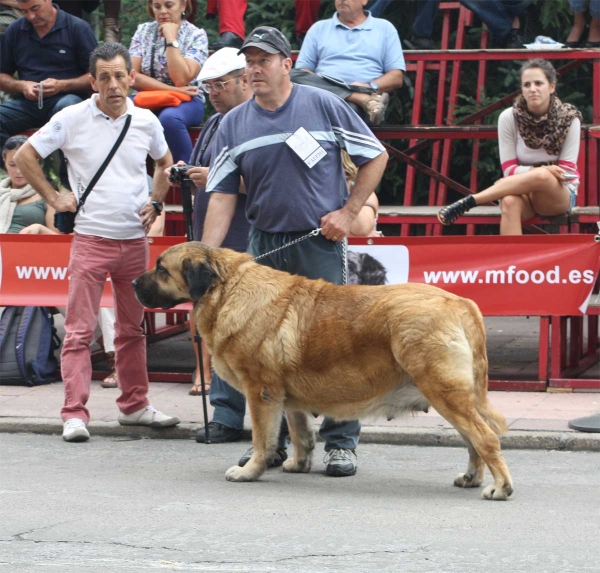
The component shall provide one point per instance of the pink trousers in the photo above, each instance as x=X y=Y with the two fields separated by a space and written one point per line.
x=92 y=258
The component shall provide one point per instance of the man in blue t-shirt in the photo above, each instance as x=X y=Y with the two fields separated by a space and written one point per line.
x=50 y=50
x=286 y=143
x=355 y=56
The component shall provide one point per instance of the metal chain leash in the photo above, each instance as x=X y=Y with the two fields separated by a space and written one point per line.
x=313 y=233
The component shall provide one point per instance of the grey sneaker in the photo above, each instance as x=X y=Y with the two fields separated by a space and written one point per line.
x=340 y=462
x=148 y=416
x=276 y=461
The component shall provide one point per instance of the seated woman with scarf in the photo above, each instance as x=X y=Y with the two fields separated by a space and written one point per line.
x=20 y=205
x=539 y=145
x=167 y=55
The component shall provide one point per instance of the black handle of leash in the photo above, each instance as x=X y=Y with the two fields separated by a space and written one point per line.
x=198 y=340
x=188 y=210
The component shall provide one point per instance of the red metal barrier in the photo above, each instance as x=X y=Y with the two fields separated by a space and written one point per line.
x=34 y=272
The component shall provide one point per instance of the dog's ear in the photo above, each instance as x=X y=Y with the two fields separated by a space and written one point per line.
x=199 y=277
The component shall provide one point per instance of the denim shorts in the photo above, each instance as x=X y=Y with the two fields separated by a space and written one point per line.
x=578 y=7
x=573 y=192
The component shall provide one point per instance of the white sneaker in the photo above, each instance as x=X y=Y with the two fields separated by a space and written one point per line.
x=74 y=430
x=148 y=416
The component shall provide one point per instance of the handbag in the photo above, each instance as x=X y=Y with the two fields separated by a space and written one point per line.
x=155 y=99
x=64 y=221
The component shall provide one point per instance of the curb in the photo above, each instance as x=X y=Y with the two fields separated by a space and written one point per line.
x=514 y=440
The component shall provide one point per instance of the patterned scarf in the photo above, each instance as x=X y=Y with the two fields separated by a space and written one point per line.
x=548 y=131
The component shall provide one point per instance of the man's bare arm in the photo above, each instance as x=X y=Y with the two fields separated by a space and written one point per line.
x=72 y=85
x=30 y=90
x=28 y=161
x=12 y=85
x=387 y=83
x=337 y=223
x=221 y=208
x=160 y=187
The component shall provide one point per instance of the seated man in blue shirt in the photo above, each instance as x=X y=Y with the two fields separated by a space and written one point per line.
x=50 y=50
x=355 y=56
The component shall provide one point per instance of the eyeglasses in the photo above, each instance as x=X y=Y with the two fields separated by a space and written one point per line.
x=14 y=142
x=217 y=87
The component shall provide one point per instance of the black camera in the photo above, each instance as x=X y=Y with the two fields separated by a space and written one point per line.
x=179 y=174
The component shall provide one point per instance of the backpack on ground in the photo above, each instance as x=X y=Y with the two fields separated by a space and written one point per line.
x=28 y=340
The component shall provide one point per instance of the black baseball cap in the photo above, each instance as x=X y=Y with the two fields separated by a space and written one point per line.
x=269 y=39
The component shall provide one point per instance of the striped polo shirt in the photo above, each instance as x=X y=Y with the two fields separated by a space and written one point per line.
x=284 y=194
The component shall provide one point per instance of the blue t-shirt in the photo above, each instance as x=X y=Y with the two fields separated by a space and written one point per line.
x=237 y=236
x=284 y=194
x=63 y=53
x=360 y=54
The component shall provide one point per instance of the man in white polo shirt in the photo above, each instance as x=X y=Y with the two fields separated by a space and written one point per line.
x=110 y=231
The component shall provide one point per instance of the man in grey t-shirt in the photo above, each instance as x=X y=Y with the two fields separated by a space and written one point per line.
x=286 y=144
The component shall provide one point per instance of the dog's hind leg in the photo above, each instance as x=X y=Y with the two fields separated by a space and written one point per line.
x=303 y=438
x=459 y=409
x=473 y=477
x=266 y=411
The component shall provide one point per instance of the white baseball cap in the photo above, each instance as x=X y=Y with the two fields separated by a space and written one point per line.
x=222 y=62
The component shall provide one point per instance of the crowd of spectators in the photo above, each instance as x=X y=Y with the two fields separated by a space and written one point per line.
x=242 y=160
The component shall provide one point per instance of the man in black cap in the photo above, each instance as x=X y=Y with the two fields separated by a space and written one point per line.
x=286 y=143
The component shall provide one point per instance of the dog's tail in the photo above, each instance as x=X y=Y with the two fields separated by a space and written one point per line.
x=493 y=419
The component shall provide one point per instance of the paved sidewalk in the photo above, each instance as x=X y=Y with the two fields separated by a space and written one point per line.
x=537 y=420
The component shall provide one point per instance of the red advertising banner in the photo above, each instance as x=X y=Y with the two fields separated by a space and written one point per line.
x=530 y=275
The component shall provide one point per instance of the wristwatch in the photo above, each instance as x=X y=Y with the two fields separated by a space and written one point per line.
x=157 y=205
x=374 y=86
x=175 y=44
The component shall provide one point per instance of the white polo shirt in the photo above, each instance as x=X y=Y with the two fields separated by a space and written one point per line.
x=86 y=135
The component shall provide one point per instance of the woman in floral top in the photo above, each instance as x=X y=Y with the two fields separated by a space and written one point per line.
x=167 y=54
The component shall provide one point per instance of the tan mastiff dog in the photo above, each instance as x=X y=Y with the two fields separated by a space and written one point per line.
x=298 y=345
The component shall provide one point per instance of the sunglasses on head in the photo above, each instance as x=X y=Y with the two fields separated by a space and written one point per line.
x=14 y=142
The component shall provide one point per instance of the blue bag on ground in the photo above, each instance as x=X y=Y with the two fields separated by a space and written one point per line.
x=28 y=340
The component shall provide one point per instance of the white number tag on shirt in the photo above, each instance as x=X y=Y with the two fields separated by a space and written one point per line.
x=306 y=147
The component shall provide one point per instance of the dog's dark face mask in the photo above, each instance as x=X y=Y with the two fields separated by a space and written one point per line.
x=175 y=279
x=199 y=278
x=165 y=288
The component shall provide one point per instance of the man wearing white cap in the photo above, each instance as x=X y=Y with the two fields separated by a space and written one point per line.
x=224 y=80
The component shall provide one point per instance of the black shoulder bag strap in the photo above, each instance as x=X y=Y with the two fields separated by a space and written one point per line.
x=105 y=164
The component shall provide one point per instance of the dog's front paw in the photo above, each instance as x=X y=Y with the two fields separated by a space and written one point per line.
x=292 y=466
x=237 y=473
x=497 y=493
x=467 y=480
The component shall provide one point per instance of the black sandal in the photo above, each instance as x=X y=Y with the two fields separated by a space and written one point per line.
x=449 y=214
x=196 y=389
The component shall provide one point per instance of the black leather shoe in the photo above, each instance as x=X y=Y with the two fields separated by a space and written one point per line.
x=514 y=40
x=228 y=40
x=277 y=460
x=219 y=434
x=422 y=43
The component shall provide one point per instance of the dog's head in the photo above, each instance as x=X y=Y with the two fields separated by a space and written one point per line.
x=183 y=273
x=363 y=269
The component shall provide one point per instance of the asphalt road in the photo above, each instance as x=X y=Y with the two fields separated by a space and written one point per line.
x=127 y=505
